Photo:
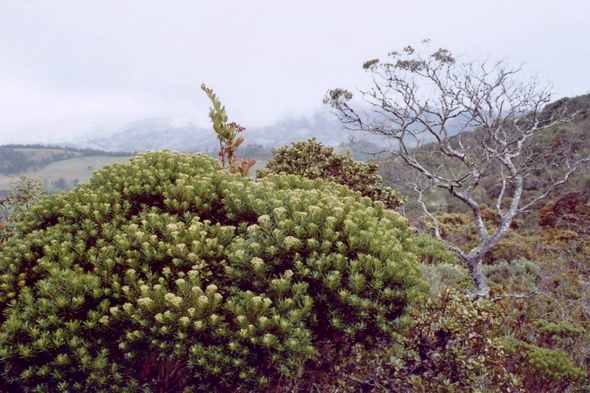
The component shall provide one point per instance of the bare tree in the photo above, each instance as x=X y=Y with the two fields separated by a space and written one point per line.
x=455 y=122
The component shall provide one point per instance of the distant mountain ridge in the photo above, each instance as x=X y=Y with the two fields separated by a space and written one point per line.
x=168 y=133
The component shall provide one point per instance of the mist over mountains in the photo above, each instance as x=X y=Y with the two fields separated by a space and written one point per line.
x=182 y=135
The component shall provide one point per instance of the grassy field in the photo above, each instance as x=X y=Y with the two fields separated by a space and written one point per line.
x=75 y=168
x=39 y=154
x=82 y=169
x=260 y=164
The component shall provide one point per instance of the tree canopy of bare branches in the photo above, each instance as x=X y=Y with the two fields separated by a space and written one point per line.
x=454 y=122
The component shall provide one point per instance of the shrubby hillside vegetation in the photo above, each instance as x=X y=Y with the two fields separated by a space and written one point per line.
x=170 y=274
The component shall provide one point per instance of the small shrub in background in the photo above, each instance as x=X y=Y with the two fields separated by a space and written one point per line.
x=432 y=251
x=312 y=160
x=545 y=370
x=568 y=212
x=517 y=275
x=23 y=195
x=441 y=276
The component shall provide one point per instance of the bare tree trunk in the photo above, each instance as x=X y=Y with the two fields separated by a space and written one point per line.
x=474 y=263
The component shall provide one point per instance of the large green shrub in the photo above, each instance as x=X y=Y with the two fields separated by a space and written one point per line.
x=171 y=269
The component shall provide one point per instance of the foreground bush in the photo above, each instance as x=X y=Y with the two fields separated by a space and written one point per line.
x=170 y=273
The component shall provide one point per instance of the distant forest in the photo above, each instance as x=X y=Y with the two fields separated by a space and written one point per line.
x=14 y=159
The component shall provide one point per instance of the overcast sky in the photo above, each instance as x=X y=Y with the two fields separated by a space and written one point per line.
x=70 y=67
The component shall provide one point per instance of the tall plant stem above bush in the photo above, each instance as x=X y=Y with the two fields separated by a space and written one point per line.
x=226 y=134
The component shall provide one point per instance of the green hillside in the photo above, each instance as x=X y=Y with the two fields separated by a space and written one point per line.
x=74 y=168
x=571 y=136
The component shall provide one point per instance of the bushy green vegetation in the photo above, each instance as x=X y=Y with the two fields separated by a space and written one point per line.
x=453 y=346
x=314 y=161
x=23 y=195
x=171 y=263
x=171 y=274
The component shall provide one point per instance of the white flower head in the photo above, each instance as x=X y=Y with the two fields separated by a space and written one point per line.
x=172 y=298
x=314 y=210
x=144 y=301
x=279 y=211
x=291 y=241
x=253 y=228
x=257 y=262
x=264 y=220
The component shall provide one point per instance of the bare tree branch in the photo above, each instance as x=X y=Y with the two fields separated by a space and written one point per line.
x=455 y=122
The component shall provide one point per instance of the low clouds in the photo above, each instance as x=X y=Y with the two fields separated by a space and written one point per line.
x=68 y=67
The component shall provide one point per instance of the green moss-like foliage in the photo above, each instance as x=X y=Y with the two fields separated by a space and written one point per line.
x=24 y=193
x=169 y=268
x=433 y=251
x=547 y=369
x=520 y=274
x=314 y=161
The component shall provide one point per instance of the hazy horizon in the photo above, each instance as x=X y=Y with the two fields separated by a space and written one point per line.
x=70 y=68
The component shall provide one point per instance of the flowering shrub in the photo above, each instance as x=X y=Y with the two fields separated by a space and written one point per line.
x=171 y=273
